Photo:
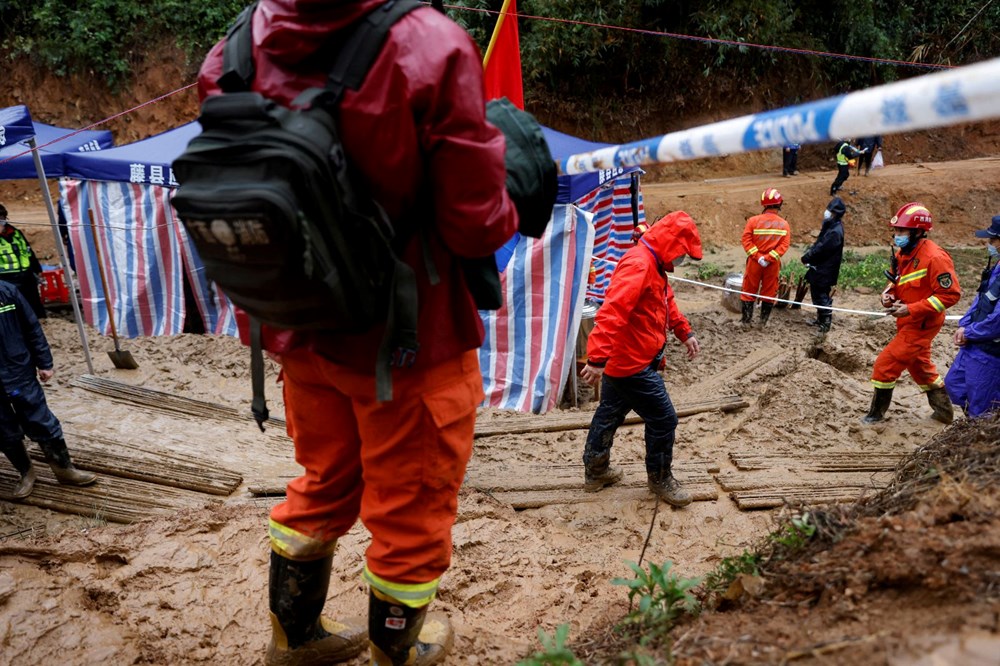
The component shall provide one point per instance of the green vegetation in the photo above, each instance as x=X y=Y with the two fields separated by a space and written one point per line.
x=663 y=597
x=863 y=270
x=730 y=568
x=554 y=651
x=571 y=59
x=708 y=271
x=109 y=37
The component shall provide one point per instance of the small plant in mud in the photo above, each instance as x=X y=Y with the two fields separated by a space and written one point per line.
x=709 y=271
x=730 y=568
x=554 y=651
x=663 y=596
x=794 y=534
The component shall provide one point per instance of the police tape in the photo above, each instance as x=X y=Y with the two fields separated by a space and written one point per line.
x=867 y=313
x=959 y=95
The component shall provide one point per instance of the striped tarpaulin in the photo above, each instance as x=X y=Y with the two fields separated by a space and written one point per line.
x=145 y=253
x=530 y=340
x=611 y=205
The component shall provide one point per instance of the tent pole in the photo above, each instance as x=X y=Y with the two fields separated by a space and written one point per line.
x=61 y=249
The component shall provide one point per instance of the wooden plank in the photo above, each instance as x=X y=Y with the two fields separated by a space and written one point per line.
x=827 y=462
x=774 y=498
x=498 y=477
x=134 y=461
x=557 y=422
x=533 y=499
x=740 y=482
x=112 y=498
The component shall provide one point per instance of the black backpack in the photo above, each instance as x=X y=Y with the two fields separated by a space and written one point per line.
x=278 y=217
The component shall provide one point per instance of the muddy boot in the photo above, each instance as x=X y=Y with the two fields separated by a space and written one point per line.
x=880 y=405
x=18 y=457
x=824 y=323
x=300 y=636
x=747 y=313
x=941 y=404
x=57 y=456
x=596 y=479
x=402 y=635
x=669 y=489
x=765 y=313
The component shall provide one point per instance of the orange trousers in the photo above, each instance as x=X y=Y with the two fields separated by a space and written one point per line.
x=910 y=350
x=756 y=277
x=398 y=465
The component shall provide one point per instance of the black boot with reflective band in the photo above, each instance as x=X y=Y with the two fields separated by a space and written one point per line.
x=880 y=405
x=300 y=636
x=941 y=404
x=58 y=458
x=405 y=636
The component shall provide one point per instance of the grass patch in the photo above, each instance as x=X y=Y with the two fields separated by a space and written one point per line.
x=709 y=271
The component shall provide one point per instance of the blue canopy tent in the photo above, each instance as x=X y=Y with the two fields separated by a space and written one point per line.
x=155 y=272
x=16 y=127
x=54 y=143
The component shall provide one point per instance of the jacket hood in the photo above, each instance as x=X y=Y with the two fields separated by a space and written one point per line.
x=837 y=207
x=672 y=235
x=290 y=31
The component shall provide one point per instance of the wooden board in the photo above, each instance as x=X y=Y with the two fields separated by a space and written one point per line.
x=134 y=460
x=855 y=461
x=556 y=422
x=111 y=499
x=774 y=497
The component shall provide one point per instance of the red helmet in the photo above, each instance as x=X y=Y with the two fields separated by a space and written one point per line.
x=770 y=197
x=912 y=216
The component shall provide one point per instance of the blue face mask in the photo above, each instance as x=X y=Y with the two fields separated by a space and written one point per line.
x=992 y=249
x=901 y=241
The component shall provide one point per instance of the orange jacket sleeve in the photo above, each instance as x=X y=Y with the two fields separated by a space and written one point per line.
x=943 y=281
x=626 y=286
x=748 y=242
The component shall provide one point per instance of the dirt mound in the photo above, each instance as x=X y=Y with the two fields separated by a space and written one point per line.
x=888 y=577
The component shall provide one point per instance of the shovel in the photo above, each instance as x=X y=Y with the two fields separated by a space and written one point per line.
x=121 y=358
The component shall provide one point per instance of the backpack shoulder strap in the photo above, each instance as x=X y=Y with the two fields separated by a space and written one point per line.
x=237 y=54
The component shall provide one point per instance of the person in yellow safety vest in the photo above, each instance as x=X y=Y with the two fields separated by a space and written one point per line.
x=18 y=264
x=845 y=153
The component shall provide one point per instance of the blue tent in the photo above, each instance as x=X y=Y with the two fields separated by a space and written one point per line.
x=15 y=125
x=23 y=166
x=572 y=188
x=147 y=161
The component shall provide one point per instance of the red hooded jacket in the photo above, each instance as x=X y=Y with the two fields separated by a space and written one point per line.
x=417 y=131
x=630 y=328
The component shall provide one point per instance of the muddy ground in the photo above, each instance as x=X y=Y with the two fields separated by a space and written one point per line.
x=191 y=587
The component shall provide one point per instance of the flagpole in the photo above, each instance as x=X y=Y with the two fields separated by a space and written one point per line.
x=496 y=32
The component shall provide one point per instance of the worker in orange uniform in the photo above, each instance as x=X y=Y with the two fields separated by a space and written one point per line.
x=415 y=133
x=766 y=238
x=625 y=351
x=923 y=285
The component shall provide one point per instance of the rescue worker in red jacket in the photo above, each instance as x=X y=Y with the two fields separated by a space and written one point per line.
x=766 y=238
x=924 y=285
x=625 y=350
x=417 y=134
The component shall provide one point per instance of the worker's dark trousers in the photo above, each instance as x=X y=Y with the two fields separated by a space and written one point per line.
x=646 y=394
x=25 y=412
x=843 y=173
x=820 y=294
x=790 y=162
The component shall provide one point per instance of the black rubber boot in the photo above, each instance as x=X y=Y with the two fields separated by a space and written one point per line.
x=747 y=313
x=18 y=457
x=58 y=458
x=825 y=322
x=765 y=313
x=300 y=636
x=880 y=405
x=599 y=473
x=402 y=635
x=669 y=489
x=941 y=404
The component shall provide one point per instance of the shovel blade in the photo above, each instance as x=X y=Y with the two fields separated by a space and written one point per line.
x=123 y=360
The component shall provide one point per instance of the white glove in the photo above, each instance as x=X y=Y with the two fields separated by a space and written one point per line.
x=763 y=262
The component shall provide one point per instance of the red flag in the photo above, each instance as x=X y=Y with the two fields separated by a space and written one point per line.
x=502 y=64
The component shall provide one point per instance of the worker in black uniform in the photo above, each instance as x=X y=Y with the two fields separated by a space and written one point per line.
x=25 y=358
x=824 y=259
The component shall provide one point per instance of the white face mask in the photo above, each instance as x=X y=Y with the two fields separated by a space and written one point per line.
x=827 y=215
x=993 y=250
x=679 y=261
